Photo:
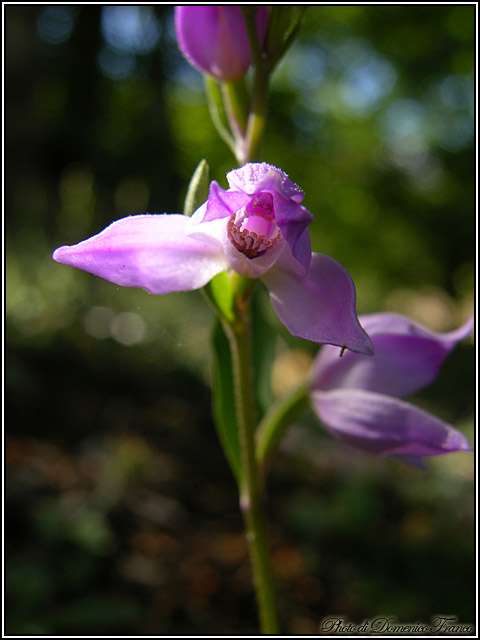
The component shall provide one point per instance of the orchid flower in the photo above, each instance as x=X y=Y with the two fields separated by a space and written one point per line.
x=257 y=228
x=357 y=398
x=214 y=39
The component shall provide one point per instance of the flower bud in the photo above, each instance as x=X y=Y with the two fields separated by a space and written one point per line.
x=215 y=40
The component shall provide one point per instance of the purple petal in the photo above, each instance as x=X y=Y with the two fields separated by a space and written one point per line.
x=293 y=220
x=214 y=39
x=221 y=203
x=385 y=426
x=147 y=251
x=319 y=306
x=260 y=176
x=212 y=231
x=407 y=357
x=399 y=324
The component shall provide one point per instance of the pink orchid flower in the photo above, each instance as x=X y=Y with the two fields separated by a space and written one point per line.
x=258 y=228
x=357 y=398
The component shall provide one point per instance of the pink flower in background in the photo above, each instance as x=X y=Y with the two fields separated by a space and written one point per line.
x=214 y=39
x=356 y=397
x=259 y=228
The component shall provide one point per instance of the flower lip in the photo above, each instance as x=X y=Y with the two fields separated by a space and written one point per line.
x=252 y=230
x=248 y=241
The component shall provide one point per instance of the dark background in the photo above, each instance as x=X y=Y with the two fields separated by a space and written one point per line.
x=121 y=513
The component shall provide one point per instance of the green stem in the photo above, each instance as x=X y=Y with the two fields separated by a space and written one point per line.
x=277 y=419
x=249 y=14
x=251 y=485
x=236 y=104
x=257 y=119
x=252 y=143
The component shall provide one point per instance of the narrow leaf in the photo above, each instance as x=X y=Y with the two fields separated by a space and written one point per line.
x=220 y=291
x=197 y=192
x=224 y=399
x=217 y=111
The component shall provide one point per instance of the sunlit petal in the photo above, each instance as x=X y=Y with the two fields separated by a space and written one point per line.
x=147 y=251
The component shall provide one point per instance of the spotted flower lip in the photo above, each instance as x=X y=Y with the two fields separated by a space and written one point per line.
x=214 y=39
x=259 y=228
x=357 y=398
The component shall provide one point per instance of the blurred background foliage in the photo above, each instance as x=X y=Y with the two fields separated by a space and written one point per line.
x=121 y=513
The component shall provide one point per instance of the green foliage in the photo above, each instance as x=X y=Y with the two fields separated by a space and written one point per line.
x=224 y=398
x=197 y=192
x=264 y=342
x=220 y=291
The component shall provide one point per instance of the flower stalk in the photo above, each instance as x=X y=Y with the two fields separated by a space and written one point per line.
x=257 y=118
x=277 y=419
x=251 y=483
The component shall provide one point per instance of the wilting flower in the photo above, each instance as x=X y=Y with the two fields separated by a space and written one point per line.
x=214 y=39
x=356 y=397
x=258 y=228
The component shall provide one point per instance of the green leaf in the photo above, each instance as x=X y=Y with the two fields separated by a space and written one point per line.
x=224 y=399
x=236 y=100
x=283 y=26
x=263 y=350
x=217 y=111
x=220 y=290
x=197 y=192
